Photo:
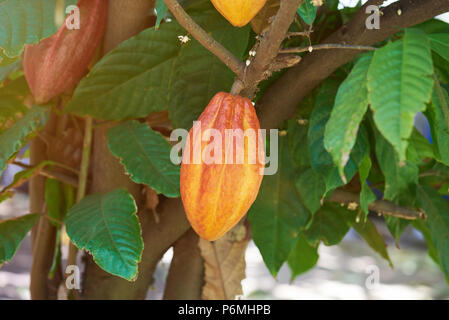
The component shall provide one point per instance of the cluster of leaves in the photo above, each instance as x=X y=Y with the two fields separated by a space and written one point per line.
x=360 y=129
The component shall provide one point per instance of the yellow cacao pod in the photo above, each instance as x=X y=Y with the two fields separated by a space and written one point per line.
x=222 y=165
x=238 y=12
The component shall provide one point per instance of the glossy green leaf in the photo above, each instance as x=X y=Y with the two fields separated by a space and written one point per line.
x=297 y=142
x=438 y=115
x=440 y=44
x=400 y=85
x=311 y=187
x=277 y=216
x=26 y=22
x=146 y=156
x=302 y=258
x=14 y=138
x=321 y=160
x=437 y=210
x=330 y=224
x=12 y=232
x=366 y=194
x=351 y=104
x=307 y=11
x=106 y=225
x=154 y=71
x=400 y=178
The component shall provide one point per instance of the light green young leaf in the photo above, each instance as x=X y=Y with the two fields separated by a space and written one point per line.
x=13 y=139
x=12 y=232
x=400 y=85
x=146 y=156
x=106 y=225
x=277 y=216
x=351 y=104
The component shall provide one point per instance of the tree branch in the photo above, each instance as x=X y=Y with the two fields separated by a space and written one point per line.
x=326 y=46
x=186 y=275
x=269 y=47
x=379 y=206
x=235 y=64
x=281 y=100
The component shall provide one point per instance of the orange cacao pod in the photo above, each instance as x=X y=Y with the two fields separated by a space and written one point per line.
x=238 y=12
x=218 y=191
x=58 y=62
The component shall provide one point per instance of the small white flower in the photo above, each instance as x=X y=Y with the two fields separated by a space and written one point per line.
x=248 y=62
x=310 y=49
x=184 y=39
x=399 y=12
x=252 y=53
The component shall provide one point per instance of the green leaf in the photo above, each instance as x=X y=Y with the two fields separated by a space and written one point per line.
x=438 y=115
x=26 y=22
x=396 y=226
x=146 y=156
x=366 y=194
x=368 y=231
x=161 y=10
x=54 y=199
x=307 y=11
x=12 y=96
x=153 y=71
x=302 y=258
x=400 y=85
x=351 y=104
x=311 y=187
x=421 y=225
x=278 y=215
x=23 y=176
x=12 y=232
x=419 y=148
x=440 y=44
x=400 y=178
x=297 y=142
x=8 y=65
x=330 y=224
x=437 y=210
x=321 y=160
x=106 y=225
x=13 y=139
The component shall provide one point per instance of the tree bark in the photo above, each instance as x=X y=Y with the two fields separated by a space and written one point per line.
x=186 y=275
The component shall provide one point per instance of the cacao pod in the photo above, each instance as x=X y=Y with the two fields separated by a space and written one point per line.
x=218 y=192
x=58 y=62
x=238 y=12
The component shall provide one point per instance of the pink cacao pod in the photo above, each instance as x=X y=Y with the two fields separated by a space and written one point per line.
x=58 y=62
x=218 y=191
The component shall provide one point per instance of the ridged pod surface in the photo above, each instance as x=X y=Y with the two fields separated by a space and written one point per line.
x=58 y=62
x=218 y=191
x=238 y=12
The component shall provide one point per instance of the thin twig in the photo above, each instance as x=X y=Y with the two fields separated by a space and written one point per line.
x=82 y=181
x=235 y=64
x=326 y=46
x=299 y=34
x=379 y=206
